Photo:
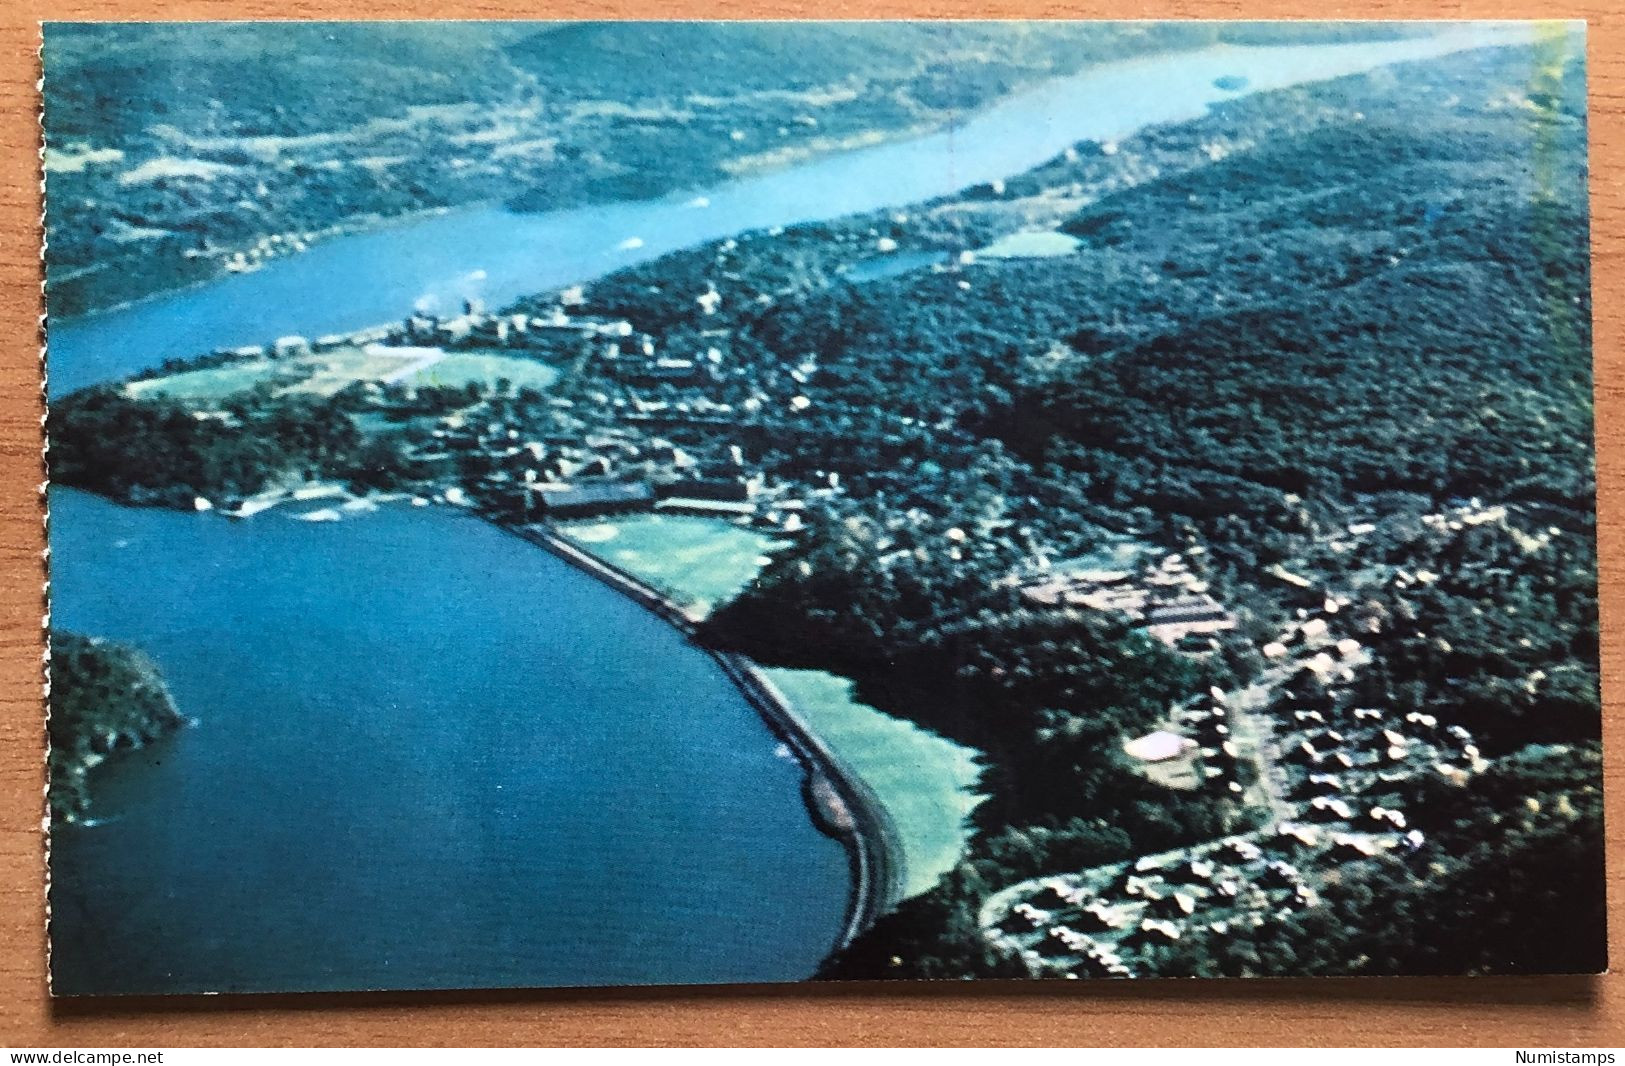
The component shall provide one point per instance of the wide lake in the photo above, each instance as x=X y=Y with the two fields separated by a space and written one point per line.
x=427 y=753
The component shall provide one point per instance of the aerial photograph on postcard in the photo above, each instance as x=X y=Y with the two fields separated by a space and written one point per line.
x=622 y=503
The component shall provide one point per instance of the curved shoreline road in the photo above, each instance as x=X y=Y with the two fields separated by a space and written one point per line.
x=840 y=803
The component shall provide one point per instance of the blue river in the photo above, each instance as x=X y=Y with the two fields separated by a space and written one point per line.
x=427 y=754
x=370 y=278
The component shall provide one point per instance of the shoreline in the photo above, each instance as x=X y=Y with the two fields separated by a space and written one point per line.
x=840 y=805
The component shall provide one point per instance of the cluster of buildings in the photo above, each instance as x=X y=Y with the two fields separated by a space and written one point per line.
x=1106 y=921
x=583 y=466
x=557 y=333
x=1199 y=750
x=1332 y=772
x=1164 y=597
x=570 y=475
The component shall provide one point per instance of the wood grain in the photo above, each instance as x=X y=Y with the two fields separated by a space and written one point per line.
x=1525 y=1012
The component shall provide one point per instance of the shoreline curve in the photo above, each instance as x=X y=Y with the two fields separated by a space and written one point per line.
x=839 y=803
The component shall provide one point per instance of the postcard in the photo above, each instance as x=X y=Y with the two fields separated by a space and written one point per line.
x=582 y=504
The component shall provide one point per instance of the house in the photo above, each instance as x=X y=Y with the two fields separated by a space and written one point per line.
x=1100 y=961
x=1056 y=894
x=1238 y=851
x=1175 y=906
x=1058 y=941
x=1022 y=918
x=1192 y=871
x=1099 y=917
x=1425 y=721
x=1303 y=753
x=1159 y=746
x=1329 y=808
x=1352 y=847
x=1387 y=817
x=290 y=346
x=1152 y=931
x=1295 y=836
x=1313 y=630
x=1280 y=573
x=585 y=500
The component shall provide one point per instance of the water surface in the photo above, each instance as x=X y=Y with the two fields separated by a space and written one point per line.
x=428 y=754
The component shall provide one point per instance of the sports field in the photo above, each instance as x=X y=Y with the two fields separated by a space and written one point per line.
x=486 y=368
x=926 y=782
x=325 y=373
x=213 y=383
x=701 y=562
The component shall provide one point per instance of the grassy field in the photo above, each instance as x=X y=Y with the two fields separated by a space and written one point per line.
x=331 y=372
x=700 y=562
x=326 y=373
x=926 y=782
x=215 y=383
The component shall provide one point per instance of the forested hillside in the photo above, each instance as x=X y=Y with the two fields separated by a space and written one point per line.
x=1353 y=324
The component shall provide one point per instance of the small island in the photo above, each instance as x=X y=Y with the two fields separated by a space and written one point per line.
x=105 y=698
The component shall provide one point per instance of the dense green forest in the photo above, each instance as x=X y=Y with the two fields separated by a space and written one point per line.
x=158 y=452
x=105 y=697
x=1371 y=317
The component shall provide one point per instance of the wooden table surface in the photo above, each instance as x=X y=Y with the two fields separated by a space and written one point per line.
x=1527 y=1012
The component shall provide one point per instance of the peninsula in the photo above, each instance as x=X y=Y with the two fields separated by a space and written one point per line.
x=105 y=698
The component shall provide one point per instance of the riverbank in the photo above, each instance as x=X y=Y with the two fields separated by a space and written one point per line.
x=927 y=783
x=841 y=804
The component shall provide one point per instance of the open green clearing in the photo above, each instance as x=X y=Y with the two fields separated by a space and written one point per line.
x=927 y=783
x=326 y=373
x=1031 y=244
x=212 y=383
x=701 y=562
